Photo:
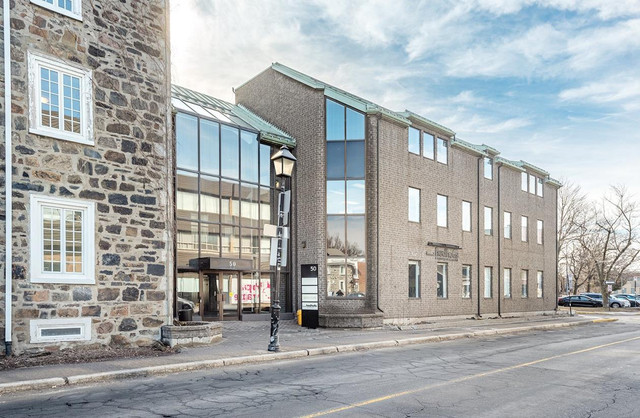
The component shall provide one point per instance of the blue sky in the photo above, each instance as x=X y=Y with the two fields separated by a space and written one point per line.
x=552 y=82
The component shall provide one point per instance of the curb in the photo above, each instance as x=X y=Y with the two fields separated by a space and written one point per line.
x=56 y=382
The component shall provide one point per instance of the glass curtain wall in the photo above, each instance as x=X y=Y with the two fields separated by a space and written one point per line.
x=224 y=197
x=346 y=216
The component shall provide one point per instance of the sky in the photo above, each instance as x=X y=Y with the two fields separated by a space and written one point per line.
x=553 y=82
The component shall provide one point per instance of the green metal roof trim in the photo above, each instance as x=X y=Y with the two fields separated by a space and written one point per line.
x=516 y=165
x=468 y=146
x=534 y=168
x=426 y=122
x=554 y=182
x=340 y=95
x=268 y=132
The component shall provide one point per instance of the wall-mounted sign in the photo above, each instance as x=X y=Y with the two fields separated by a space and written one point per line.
x=446 y=252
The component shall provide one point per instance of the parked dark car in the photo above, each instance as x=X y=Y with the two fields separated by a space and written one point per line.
x=613 y=301
x=579 y=300
x=633 y=299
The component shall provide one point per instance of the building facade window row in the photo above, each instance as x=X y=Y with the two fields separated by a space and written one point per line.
x=428 y=145
x=532 y=184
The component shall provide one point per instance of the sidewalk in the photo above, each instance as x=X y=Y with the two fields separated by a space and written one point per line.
x=246 y=342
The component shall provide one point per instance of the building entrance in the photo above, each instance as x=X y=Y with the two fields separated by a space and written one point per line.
x=219 y=296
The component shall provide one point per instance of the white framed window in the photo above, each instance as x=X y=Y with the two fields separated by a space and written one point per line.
x=441 y=280
x=523 y=182
x=488 y=168
x=525 y=283
x=70 y=8
x=524 y=229
x=539 y=282
x=60 y=100
x=540 y=187
x=414 y=141
x=414 y=279
x=488 y=282
x=539 y=230
x=427 y=145
x=507 y=282
x=532 y=184
x=488 y=220
x=507 y=225
x=466 y=216
x=441 y=218
x=466 y=281
x=441 y=151
x=414 y=205
x=60 y=329
x=62 y=240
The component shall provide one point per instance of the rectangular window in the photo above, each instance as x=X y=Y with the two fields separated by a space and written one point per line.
x=488 y=282
x=442 y=211
x=62 y=240
x=466 y=216
x=488 y=168
x=539 y=231
x=507 y=225
x=525 y=283
x=414 y=279
x=60 y=329
x=427 y=145
x=524 y=229
x=441 y=151
x=414 y=205
x=466 y=281
x=539 y=282
x=532 y=184
x=60 y=100
x=70 y=8
x=414 y=141
x=540 y=187
x=441 y=279
x=523 y=182
x=488 y=220
x=507 y=282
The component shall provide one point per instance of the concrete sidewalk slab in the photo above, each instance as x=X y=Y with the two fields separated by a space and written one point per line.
x=239 y=346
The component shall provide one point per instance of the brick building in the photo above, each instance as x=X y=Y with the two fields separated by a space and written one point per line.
x=91 y=202
x=436 y=225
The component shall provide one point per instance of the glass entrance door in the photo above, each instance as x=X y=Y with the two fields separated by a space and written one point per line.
x=230 y=285
x=220 y=296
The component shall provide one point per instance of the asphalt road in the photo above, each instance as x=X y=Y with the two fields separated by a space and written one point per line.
x=588 y=371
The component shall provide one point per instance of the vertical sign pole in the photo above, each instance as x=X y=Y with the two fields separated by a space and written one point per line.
x=274 y=341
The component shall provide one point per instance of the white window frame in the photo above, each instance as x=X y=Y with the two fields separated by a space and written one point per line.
x=466 y=281
x=442 y=209
x=38 y=275
x=540 y=187
x=488 y=168
x=416 y=279
x=524 y=287
x=524 y=182
x=532 y=184
x=414 y=130
x=466 y=216
x=442 y=269
x=506 y=279
x=409 y=205
x=442 y=145
x=539 y=231
x=36 y=326
x=524 y=229
x=35 y=63
x=507 y=225
x=425 y=138
x=540 y=284
x=75 y=12
x=488 y=282
x=488 y=220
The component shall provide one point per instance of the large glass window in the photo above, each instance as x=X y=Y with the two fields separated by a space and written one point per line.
x=346 y=191
x=209 y=147
x=414 y=205
x=488 y=282
x=230 y=164
x=466 y=216
x=507 y=282
x=414 y=279
x=187 y=141
x=488 y=220
x=466 y=281
x=414 y=141
x=507 y=225
x=442 y=211
x=539 y=283
x=525 y=283
x=441 y=155
x=441 y=280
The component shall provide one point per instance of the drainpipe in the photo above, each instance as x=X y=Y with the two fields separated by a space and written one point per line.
x=478 y=229
x=556 y=261
x=8 y=167
x=498 y=235
x=378 y=213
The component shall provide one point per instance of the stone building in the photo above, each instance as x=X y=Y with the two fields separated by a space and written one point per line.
x=436 y=225
x=91 y=173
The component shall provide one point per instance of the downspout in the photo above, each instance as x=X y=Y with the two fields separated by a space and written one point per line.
x=8 y=181
x=499 y=235
x=556 y=236
x=378 y=213
x=172 y=282
x=478 y=233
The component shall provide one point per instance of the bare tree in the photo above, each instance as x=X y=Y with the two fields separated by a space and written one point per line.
x=572 y=212
x=610 y=236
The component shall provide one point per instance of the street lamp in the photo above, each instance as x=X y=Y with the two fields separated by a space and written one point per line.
x=283 y=162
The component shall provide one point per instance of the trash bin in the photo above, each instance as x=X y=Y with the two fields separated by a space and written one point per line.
x=185 y=315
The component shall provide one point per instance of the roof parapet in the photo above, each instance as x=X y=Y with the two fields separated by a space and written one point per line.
x=421 y=120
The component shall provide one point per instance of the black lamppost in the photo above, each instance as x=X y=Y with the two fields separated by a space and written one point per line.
x=283 y=162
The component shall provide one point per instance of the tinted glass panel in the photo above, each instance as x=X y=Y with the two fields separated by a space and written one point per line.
x=230 y=202
x=187 y=141
x=265 y=164
x=230 y=240
x=230 y=152
x=209 y=199
x=335 y=160
x=356 y=233
x=250 y=243
x=249 y=156
x=186 y=242
x=187 y=195
x=335 y=121
x=355 y=159
x=209 y=146
x=336 y=263
x=356 y=271
x=335 y=197
x=355 y=196
x=209 y=240
x=355 y=125
x=249 y=207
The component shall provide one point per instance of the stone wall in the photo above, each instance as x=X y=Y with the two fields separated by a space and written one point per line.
x=125 y=171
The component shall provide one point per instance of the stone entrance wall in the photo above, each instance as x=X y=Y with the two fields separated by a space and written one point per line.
x=126 y=172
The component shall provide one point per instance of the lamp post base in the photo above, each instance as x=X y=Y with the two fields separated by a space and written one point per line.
x=274 y=341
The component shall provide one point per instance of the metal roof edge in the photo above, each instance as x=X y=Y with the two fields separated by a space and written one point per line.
x=274 y=134
x=534 y=168
x=554 y=182
x=246 y=82
x=388 y=115
x=459 y=143
x=509 y=163
x=427 y=122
